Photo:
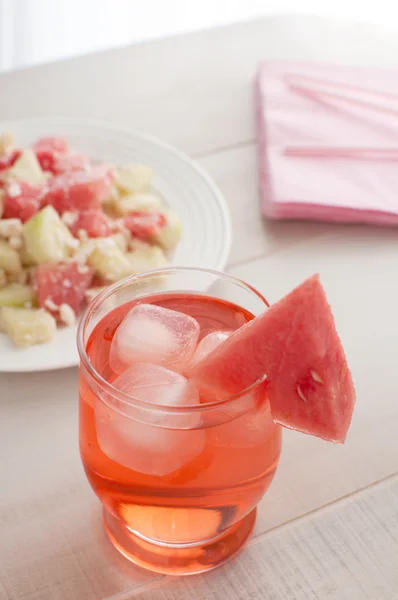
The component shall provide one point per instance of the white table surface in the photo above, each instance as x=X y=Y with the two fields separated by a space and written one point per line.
x=328 y=527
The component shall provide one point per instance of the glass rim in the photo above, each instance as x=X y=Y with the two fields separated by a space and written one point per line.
x=126 y=398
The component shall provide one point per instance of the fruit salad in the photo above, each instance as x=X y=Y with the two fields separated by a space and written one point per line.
x=69 y=227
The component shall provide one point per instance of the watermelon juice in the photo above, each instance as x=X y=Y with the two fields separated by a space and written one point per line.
x=179 y=485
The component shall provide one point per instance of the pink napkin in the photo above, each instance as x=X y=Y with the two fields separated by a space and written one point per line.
x=328 y=142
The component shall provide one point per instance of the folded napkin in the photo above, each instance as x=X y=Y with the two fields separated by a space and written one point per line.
x=328 y=142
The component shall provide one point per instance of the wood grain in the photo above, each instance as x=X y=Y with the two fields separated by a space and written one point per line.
x=345 y=552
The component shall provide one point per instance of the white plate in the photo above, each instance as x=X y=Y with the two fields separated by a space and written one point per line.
x=183 y=185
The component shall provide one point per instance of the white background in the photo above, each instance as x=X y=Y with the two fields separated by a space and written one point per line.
x=36 y=31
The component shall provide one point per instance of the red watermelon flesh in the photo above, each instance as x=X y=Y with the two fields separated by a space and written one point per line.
x=94 y=222
x=144 y=225
x=64 y=283
x=46 y=159
x=80 y=190
x=52 y=144
x=7 y=160
x=70 y=162
x=21 y=200
x=54 y=156
x=296 y=345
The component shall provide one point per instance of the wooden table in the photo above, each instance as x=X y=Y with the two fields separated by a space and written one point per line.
x=328 y=528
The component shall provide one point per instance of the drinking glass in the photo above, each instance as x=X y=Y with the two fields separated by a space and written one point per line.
x=179 y=485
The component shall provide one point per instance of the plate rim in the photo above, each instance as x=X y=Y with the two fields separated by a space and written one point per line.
x=145 y=137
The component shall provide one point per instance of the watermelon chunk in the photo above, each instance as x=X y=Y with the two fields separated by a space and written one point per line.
x=26 y=168
x=64 y=283
x=94 y=222
x=21 y=200
x=70 y=162
x=54 y=156
x=144 y=225
x=8 y=160
x=52 y=144
x=79 y=190
x=46 y=159
x=296 y=345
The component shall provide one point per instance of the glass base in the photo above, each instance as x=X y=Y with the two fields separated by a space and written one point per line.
x=178 y=559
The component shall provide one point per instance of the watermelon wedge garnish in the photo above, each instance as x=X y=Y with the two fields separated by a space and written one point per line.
x=296 y=346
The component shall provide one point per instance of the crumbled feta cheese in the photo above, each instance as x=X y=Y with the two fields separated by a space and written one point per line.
x=10 y=228
x=67 y=315
x=72 y=243
x=67 y=283
x=118 y=225
x=14 y=189
x=69 y=218
x=106 y=244
x=50 y=304
x=15 y=242
x=81 y=268
x=63 y=237
x=82 y=235
x=82 y=254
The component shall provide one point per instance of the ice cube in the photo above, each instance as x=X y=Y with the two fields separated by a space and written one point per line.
x=207 y=345
x=145 y=448
x=155 y=385
x=150 y=333
x=150 y=441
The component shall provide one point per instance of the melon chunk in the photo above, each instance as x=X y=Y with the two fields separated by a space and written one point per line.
x=132 y=179
x=138 y=202
x=26 y=326
x=121 y=240
x=108 y=260
x=169 y=235
x=27 y=168
x=75 y=191
x=9 y=258
x=146 y=257
x=16 y=294
x=296 y=346
x=46 y=237
x=62 y=284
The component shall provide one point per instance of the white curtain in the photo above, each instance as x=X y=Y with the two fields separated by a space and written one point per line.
x=36 y=31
